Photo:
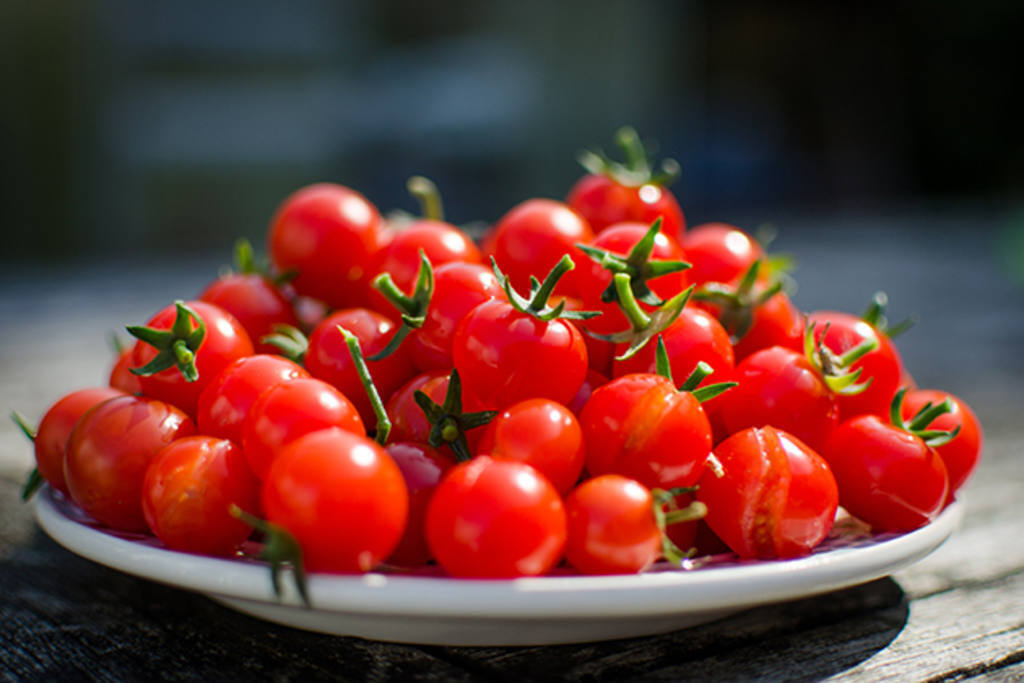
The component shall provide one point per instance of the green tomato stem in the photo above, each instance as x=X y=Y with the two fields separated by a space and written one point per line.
x=383 y=421
x=630 y=307
x=429 y=197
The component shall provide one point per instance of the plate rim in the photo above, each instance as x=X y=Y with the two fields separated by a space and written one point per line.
x=734 y=586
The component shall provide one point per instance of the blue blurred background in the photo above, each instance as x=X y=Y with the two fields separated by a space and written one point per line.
x=131 y=126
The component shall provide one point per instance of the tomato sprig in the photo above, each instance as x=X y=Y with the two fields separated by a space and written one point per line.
x=874 y=315
x=667 y=512
x=738 y=303
x=637 y=169
x=280 y=549
x=643 y=326
x=540 y=293
x=413 y=309
x=35 y=479
x=835 y=368
x=448 y=422
x=176 y=347
x=383 y=421
x=918 y=424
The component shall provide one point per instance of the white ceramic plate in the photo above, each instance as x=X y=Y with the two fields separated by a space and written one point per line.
x=533 y=611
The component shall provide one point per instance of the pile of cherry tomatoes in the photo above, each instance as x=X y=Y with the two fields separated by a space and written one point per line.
x=590 y=385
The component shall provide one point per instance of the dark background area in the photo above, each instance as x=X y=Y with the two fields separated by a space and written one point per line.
x=130 y=126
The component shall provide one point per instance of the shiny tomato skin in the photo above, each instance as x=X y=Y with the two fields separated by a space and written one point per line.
x=188 y=490
x=719 y=252
x=225 y=341
x=619 y=239
x=778 y=387
x=612 y=527
x=121 y=376
x=540 y=433
x=605 y=202
x=458 y=289
x=328 y=357
x=226 y=401
x=422 y=467
x=961 y=455
x=641 y=427
x=532 y=237
x=495 y=519
x=109 y=451
x=51 y=442
x=289 y=410
x=883 y=366
x=887 y=477
x=777 y=322
x=505 y=356
x=330 y=235
x=254 y=301
x=693 y=337
x=777 y=498
x=341 y=496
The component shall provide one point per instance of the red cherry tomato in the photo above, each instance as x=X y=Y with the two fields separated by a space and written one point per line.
x=330 y=234
x=540 y=433
x=289 y=410
x=888 y=477
x=255 y=302
x=882 y=366
x=328 y=357
x=109 y=451
x=224 y=342
x=603 y=202
x=533 y=236
x=458 y=289
x=226 y=401
x=693 y=337
x=410 y=423
x=341 y=496
x=612 y=527
x=505 y=356
x=619 y=239
x=719 y=252
x=51 y=442
x=422 y=467
x=961 y=455
x=642 y=427
x=776 y=322
x=187 y=492
x=777 y=498
x=495 y=519
x=781 y=388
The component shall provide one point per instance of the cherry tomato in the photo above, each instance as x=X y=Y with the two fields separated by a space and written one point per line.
x=505 y=356
x=51 y=442
x=226 y=401
x=410 y=423
x=776 y=322
x=888 y=477
x=289 y=410
x=225 y=341
x=603 y=202
x=693 y=337
x=458 y=289
x=781 y=388
x=254 y=301
x=494 y=518
x=108 y=453
x=422 y=467
x=341 y=496
x=776 y=499
x=121 y=375
x=961 y=455
x=330 y=235
x=612 y=527
x=188 y=489
x=642 y=427
x=328 y=357
x=719 y=252
x=540 y=433
x=532 y=237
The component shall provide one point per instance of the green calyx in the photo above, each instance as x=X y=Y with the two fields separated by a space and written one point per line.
x=834 y=368
x=667 y=511
x=637 y=265
x=540 y=292
x=448 y=424
x=383 y=421
x=736 y=305
x=280 y=549
x=643 y=326
x=413 y=309
x=246 y=263
x=918 y=425
x=176 y=347
x=289 y=341
x=874 y=315
x=700 y=372
x=429 y=197
x=636 y=170
x=34 y=480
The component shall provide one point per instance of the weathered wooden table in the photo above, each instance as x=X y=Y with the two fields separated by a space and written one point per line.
x=958 y=613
